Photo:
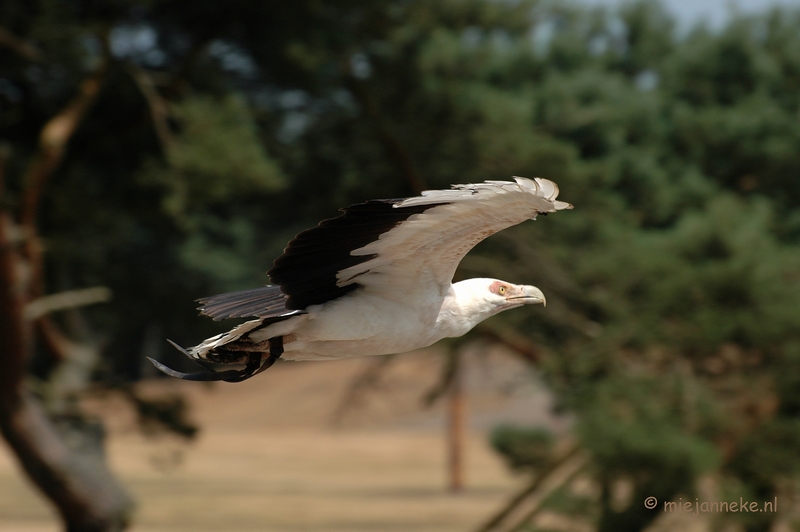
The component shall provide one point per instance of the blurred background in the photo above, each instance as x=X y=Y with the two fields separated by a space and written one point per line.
x=154 y=152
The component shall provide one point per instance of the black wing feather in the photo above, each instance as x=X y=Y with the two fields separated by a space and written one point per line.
x=306 y=272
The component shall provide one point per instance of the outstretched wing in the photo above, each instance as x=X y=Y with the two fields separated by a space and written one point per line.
x=394 y=246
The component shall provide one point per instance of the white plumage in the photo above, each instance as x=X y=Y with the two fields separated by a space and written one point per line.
x=376 y=280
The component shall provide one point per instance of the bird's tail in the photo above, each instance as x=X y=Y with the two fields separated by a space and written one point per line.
x=233 y=347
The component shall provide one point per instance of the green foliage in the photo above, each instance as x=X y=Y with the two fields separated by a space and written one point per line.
x=563 y=501
x=217 y=157
x=524 y=448
x=164 y=413
x=635 y=424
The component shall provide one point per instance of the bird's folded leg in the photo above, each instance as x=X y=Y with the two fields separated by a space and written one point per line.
x=254 y=365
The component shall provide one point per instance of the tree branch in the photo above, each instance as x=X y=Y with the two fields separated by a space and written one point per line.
x=66 y=300
x=84 y=493
x=13 y=330
x=567 y=461
x=512 y=339
x=53 y=141
x=159 y=111
x=561 y=477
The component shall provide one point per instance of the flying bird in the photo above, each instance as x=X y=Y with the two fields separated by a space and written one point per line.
x=375 y=280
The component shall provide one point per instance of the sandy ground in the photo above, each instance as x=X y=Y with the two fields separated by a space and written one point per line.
x=271 y=458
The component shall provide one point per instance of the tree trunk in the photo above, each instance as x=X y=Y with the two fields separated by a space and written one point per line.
x=84 y=492
x=456 y=409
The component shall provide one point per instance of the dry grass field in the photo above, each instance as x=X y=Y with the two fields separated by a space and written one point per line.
x=271 y=458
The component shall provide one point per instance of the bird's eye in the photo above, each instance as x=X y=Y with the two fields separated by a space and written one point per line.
x=501 y=290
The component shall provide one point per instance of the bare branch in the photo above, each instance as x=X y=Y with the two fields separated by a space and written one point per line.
x=13 y=289
x=561 y=477
x=58 y=345
x=66 y=300
x=512 y=339
x=53 y=141
x=85 y=494
x=572 y=462
x=159 y=110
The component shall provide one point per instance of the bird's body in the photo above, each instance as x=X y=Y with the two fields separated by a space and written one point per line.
x=361 y=323
x=378 y=279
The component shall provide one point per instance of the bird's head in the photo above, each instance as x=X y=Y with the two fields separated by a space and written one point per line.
x=479 y=299
x=505 y=295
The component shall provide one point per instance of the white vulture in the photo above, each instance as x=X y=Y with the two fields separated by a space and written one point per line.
x=375 y=280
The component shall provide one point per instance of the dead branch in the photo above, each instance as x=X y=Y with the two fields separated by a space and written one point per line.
x=13 y=289
x=551 y=478
x=66 y=300
x=519 y=343
x=84 y=493
x=159 y=110
x=53 y=141
x=559 y=478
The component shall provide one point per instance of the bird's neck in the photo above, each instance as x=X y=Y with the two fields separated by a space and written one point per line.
x=463 y=309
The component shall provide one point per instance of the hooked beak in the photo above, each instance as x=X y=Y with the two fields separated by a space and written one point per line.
x=527 y=295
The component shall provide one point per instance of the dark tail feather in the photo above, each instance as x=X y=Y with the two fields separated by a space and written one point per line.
x=253 y=367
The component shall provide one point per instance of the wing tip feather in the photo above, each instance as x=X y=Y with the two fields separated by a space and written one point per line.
x=537 y=186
